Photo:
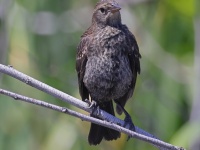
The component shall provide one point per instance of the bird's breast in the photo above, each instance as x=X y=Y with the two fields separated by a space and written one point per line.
x=107 y=77
x=107 y=72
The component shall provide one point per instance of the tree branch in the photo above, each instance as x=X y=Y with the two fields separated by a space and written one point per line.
x=107 y=119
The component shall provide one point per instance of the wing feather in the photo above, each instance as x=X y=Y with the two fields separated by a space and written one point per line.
x=134 y=60
x=81 y=60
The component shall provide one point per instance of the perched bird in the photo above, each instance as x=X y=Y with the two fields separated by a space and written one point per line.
x=107 y=65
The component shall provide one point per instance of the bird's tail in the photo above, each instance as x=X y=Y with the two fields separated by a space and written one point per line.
x=97 y=132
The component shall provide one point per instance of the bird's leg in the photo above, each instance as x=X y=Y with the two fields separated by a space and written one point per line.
x=94 y=106
x=128 y=121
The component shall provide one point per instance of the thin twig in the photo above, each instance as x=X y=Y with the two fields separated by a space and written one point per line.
x=78 y=115
x=107 y=119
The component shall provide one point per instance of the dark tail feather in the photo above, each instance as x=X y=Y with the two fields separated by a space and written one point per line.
x=97 y=132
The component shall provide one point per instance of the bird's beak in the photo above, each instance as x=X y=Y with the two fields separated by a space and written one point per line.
x=115 y=8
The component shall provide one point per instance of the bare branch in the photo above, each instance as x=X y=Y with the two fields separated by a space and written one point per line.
x=107 y=119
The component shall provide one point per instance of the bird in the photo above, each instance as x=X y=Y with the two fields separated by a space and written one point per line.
x=107 y=65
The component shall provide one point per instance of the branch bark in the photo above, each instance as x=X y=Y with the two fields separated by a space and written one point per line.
x=107 y=119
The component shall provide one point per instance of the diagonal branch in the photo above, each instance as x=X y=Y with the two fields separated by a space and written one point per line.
x=107 y=119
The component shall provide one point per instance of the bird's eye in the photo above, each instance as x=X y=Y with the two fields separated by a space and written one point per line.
x=103 y=11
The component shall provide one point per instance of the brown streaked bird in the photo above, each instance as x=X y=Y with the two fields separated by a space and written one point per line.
x=107 y=65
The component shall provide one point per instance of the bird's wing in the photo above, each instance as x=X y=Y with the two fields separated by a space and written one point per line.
x=133 y=56
x=134 y=59
x=81 y=60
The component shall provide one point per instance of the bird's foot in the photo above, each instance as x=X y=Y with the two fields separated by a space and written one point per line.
x=128 y=121
x=88 y=102
x=94 y=106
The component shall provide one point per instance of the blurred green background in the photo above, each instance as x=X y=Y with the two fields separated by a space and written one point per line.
x=39 y=38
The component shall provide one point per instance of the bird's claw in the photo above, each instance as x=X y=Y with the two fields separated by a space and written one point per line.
x=94 y=106
x=88 y=102
x=128 y=121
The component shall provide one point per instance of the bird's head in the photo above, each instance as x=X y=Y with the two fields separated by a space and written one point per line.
x=106 y=13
